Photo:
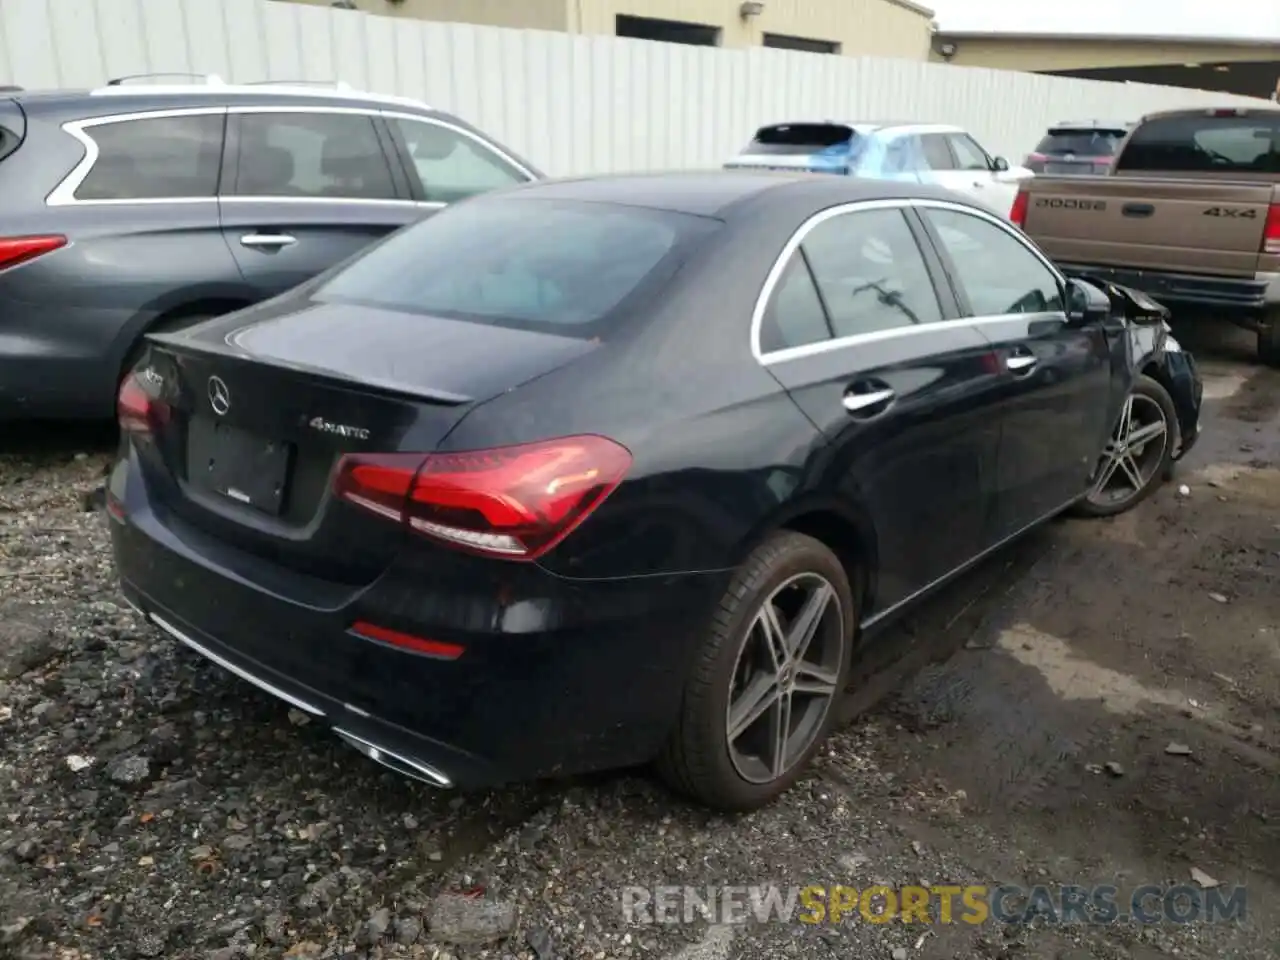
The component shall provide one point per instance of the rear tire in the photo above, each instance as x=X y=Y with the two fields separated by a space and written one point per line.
x=1269 y=338
x=1133 y=466
x=718 y=755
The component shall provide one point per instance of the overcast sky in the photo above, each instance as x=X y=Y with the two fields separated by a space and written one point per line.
x=1243 y=19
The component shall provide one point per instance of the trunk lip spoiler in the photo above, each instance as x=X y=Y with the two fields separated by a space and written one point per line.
x=180 y=345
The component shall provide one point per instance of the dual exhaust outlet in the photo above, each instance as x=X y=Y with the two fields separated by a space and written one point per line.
x=384 y=756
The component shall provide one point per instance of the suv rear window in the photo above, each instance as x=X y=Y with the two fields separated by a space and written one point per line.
x=1206 y=143
x=799 y=138
x=556 y=266
x=1083 y=143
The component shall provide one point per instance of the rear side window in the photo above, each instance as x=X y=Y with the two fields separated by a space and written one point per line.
x=1205 y=143
x=871 y=273
x=164 y=158
x=450 y=165
x=535 y=264
x=13 y=127
x=800 y=138
x=331 y=155
x=1082 y=143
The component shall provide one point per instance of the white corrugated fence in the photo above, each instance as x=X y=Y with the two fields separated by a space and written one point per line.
x=571 y=104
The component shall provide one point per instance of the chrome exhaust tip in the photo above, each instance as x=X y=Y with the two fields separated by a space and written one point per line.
x=413 y=769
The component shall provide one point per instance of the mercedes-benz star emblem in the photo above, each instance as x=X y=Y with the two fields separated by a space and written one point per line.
x=219 y=396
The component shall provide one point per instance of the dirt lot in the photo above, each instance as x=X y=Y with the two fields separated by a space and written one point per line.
x=1096 y=705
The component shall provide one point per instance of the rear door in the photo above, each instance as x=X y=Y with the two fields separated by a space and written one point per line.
x=866 y=337
x=1054 y=403
x=303 y=189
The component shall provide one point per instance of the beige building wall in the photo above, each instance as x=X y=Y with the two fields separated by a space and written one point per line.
x=522 y=14
x=1040 y=55
x=884 y=28
x=887 y=28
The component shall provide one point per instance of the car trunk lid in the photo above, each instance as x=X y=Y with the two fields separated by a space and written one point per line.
x=260 y=413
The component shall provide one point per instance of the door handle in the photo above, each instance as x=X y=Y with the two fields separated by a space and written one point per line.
x=267 y=240
x=1021 y=363
x=865 y=403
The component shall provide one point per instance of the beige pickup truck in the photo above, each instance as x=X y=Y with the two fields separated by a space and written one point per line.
x=1189 y=213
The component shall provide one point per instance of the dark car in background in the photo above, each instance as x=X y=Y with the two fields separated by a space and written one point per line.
x=1083 y=147
x=136 y=208
x=591 y=472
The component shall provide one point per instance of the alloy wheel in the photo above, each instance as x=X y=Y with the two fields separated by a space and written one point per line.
x=786 y=678
x=1133 y=454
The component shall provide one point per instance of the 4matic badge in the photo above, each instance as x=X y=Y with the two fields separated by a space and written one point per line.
x=338 y=429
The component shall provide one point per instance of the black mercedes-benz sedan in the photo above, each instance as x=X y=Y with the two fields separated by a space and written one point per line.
x=591 y=473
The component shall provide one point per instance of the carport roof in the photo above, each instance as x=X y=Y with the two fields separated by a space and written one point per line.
x=1247 y=22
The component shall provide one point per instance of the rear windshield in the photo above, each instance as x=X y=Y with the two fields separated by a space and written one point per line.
x=799 y=138
x=1206 y=144
x=1083 y=143
x=535 y=264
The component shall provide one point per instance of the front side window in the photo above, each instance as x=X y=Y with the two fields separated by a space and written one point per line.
x=997 y=272
x=318 y=155
x=554 y=266
x=160 y=158
x=969 y=156
x=937 y=155
x=452 y=166
x=871 y=273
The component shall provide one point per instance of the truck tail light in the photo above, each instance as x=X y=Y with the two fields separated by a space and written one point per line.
x=512 y=502
x=1271 y=231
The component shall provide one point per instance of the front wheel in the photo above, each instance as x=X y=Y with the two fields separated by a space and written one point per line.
x=1139 y=454
x=765 y=689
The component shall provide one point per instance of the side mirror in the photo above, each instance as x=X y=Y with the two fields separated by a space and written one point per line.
x=1086 y=304
x=1000 y=164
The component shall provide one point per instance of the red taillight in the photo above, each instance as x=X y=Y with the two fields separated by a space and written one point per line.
x=514 y=502
x=16 y=250
x=406 y=641
x=136 y=410
x=1036 y=158
x=1271 y=231
x=1018 y=213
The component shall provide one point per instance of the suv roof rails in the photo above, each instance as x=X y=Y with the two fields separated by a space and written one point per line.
x=210 y=79
x=288 y=88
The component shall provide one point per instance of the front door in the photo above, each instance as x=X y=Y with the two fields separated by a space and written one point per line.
x=863 y=332
x=1053 y=407
x=306 y=189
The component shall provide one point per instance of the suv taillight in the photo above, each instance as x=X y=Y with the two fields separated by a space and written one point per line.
x=1271 y=231
x=16 y=250
x=510 y=502
x=1019 y=212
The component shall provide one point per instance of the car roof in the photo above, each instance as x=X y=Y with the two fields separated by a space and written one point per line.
x=725 y=194
x=128 y=98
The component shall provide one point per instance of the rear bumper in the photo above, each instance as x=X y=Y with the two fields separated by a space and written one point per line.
x=1239 y=293
x=558 y=676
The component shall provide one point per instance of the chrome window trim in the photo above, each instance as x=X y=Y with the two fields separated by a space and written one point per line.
x=774 y=276
x=63 y=195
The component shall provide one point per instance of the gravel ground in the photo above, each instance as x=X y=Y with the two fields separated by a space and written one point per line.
x=153 y=806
